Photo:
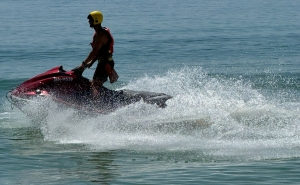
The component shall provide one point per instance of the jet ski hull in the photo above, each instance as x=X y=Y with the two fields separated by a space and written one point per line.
x=73 y=90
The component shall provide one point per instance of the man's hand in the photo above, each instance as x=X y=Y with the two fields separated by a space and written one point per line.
x=79 y=69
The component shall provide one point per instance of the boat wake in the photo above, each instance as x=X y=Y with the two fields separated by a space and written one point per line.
x=222 y=118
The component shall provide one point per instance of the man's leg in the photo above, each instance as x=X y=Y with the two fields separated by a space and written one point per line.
x=96 y=85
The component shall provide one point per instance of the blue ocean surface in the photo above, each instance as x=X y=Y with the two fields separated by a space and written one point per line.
x=231 y=66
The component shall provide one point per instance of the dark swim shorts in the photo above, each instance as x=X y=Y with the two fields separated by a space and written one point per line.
x=100 y=72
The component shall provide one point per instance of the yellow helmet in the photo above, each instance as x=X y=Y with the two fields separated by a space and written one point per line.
x=96 y=16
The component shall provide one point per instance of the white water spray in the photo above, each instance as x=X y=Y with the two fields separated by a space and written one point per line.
x=214 y=115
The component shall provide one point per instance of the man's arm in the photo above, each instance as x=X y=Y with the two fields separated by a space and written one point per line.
x=99 y=41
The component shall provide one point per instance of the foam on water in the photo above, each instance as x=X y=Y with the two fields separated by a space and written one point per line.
x=13 y=119
x=217 y=116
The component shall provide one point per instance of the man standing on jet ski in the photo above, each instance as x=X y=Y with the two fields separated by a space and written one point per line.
x=102 y=50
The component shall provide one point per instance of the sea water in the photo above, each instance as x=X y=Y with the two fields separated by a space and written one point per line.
x=232 y=68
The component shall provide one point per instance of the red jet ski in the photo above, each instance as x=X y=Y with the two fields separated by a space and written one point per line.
x=71 y=89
